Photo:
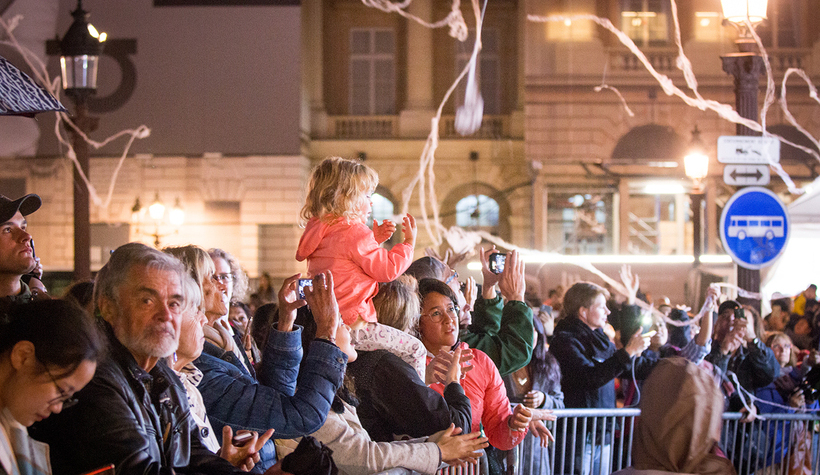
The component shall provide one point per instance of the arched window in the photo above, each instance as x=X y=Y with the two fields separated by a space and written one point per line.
x=382 y=209
x=477 y=211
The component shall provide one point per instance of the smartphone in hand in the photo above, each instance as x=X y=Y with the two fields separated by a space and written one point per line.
x=241 y=438
x=497 y=260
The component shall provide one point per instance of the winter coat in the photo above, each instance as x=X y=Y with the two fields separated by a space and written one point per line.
x=137 y=420
x=394 y=401
x=349 y=250
x=489 y=402
x=504 y=333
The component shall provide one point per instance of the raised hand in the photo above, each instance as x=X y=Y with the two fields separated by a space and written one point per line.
x=631 y=283
x=289 y=302
x=323 y=304
x=382 y=232
x=490 y=278
x=408 y=227
x=513 y=284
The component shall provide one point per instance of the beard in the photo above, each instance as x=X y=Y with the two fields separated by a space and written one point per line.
x=158 y=341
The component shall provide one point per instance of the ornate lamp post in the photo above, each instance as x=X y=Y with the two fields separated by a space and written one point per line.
x=745 y=66
x=696 y=166
x=80 y=51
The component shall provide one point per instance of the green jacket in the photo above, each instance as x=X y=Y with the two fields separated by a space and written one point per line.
x=504 y=334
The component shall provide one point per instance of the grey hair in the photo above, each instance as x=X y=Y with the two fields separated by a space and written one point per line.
x=240 y=278
x=123 y=259
x=192 y=291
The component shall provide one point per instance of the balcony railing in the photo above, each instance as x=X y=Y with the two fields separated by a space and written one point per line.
x=387 y=127
x=663 y=59
x=492 y=127
x=364 y=126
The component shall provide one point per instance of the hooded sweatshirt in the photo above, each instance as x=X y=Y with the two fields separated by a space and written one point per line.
x=349 y=250
x=679 y=427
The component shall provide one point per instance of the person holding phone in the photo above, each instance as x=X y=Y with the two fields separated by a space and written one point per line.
x=737 y=347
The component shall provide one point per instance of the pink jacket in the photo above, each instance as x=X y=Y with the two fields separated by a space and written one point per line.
x=349 y=250
x=488 y=401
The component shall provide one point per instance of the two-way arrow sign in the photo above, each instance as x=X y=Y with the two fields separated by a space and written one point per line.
x=744 y=175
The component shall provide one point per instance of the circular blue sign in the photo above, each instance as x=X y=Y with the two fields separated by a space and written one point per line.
x=754 y=227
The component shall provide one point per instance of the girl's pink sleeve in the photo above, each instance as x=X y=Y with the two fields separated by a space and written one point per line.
x=379 y=263
x=497 y=412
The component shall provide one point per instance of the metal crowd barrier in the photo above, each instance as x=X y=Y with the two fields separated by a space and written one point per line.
x=599 y=442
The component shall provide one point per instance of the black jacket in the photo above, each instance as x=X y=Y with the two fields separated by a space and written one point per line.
x=589 y=364
x=138 y=421
x=393 y=400
x=755 y=366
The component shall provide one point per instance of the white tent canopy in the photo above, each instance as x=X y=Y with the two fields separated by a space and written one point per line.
x=799 y=265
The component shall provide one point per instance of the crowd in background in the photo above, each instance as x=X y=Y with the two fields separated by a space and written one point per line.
x=168 y=363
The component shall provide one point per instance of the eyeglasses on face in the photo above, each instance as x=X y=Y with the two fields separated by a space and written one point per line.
x=454 y=275
x=65 y=399
x=223 y=279
x=436 y=315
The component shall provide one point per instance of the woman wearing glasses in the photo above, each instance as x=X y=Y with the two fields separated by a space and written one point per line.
x=438 y=330
x=48 y=351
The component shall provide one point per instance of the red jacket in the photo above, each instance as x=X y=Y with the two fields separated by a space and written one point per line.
x=349 y=250
x=488 y=400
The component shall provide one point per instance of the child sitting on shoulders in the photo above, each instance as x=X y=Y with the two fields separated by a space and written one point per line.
x=337 y=238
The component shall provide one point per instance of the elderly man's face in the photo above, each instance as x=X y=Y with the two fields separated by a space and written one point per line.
x=148 y=314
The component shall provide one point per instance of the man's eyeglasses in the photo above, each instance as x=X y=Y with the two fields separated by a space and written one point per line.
x=454 y=275
x=64 y=399
x=223 y=279
x=436 y=316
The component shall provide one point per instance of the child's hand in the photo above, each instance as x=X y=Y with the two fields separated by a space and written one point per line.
x=408 y=227
x=383 y=232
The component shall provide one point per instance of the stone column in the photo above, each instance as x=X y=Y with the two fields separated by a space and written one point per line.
x=540 y=217
x=414 y=120
x=314 y=114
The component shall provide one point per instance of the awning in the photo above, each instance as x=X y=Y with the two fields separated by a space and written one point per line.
x=20 y=95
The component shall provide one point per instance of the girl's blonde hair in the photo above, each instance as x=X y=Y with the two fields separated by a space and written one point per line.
x=337 y=187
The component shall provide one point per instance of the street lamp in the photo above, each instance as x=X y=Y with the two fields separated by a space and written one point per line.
x=745 y=67
x=696 y=166
x=156 y=211
x=80 y=51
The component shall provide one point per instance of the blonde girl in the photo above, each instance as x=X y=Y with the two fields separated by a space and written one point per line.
x=337 y=238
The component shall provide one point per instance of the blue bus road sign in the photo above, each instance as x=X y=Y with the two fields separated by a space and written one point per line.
x=754 y=227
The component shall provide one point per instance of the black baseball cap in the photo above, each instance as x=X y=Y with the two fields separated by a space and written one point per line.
x=25 y=205
x=728 y=304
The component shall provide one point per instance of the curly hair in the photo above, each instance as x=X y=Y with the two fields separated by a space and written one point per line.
x=336 y=189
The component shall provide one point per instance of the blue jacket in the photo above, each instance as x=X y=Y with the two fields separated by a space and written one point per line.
x=233 y=398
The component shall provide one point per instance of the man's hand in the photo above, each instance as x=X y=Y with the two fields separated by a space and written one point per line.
x=733 y=339
x=520 y=418
x=751 y=414
x=245 y=456
x=636 y=344
x=289 y=302
x=631 y=283
x=382 y=232
x=323 y=304
x=408 y=227
x=540 y=430
x=513 y=284
x=490 y=279
x=534 y=399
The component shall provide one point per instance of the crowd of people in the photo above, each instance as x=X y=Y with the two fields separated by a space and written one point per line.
x=374 y=362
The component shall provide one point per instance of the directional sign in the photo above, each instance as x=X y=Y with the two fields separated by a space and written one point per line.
x=743 y=149
x=746 y=175
x=754 y=227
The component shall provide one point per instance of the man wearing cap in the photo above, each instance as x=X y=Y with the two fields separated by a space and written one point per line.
x=737 y=348
x=16 y=251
